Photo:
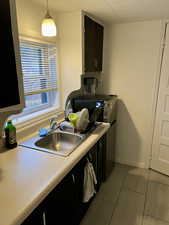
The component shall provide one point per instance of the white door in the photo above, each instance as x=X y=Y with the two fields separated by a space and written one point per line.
x=160 y=147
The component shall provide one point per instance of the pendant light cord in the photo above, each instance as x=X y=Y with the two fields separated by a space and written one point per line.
x=47 y=6
x=47 y=10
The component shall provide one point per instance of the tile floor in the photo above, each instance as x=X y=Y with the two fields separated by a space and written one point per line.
x=131 y=196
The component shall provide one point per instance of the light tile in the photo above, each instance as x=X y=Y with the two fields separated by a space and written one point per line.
x=100 y=211
x=152 y=221
x=129 y=210
x=126 y=208
x=136 y=180
x=157 y=204
x=111 y=187
x=158 y=177
x=98 y=214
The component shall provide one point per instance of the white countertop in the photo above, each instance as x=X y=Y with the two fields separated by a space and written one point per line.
x=27 y=176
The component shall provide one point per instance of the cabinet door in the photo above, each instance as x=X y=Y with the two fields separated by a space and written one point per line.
x=36 y=217
x=101 y=155
x=93 y=157
x=10 y=60
x=60 y=204
x=100 y=161
x=99 y=46
x=93 y=45
x=96 y=154
x=81 y=207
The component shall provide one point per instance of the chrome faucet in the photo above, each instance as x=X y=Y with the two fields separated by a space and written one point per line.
x=54 y=124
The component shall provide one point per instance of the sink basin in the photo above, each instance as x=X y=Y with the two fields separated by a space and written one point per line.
x=59 y=143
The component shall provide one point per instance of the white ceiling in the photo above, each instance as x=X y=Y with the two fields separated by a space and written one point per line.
x=114 y=10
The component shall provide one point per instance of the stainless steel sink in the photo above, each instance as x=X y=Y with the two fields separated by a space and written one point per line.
x=59 y=143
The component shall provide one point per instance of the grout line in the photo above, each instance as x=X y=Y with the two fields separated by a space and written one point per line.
x=155 y=171
x=118 y=197
x=157 y=182
x=157 y=218
x=146 y=197
x=129 y=189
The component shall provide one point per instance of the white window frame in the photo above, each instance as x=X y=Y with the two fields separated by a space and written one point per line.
x=41 y=107
x=46 y=108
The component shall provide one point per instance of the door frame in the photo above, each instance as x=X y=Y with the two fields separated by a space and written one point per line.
x=156 y=91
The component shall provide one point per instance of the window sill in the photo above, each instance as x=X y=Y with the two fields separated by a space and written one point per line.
x=36 y=119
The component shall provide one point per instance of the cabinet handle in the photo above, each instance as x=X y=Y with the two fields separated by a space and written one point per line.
x=73 y=178
x=90 y=156
x=95 y=63
x=44 y=218
x=100 y=145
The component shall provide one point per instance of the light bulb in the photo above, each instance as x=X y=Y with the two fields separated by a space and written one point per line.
x=48 y=27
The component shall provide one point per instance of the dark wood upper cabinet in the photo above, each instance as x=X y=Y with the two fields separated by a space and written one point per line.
x=93 y=45
x=11 y=76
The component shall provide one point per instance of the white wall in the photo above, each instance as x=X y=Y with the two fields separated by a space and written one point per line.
x=70 y=42
x=30 y=16
x=131 y=67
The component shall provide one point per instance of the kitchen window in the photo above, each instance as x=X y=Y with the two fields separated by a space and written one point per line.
x=39 y=74
x=39 y=69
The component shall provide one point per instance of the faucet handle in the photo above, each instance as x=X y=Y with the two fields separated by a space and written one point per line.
x=53 y=122
x=53 y=118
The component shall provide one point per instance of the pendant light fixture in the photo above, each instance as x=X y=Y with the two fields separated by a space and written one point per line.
x=48 y=27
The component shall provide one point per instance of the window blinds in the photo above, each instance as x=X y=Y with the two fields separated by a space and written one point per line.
x=38 y=67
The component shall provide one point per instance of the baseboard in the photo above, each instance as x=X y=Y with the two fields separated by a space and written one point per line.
x=132 y=163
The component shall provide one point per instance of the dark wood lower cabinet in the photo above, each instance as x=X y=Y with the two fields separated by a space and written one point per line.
x=64 y=205
x=36 y=217
x=60 y=204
